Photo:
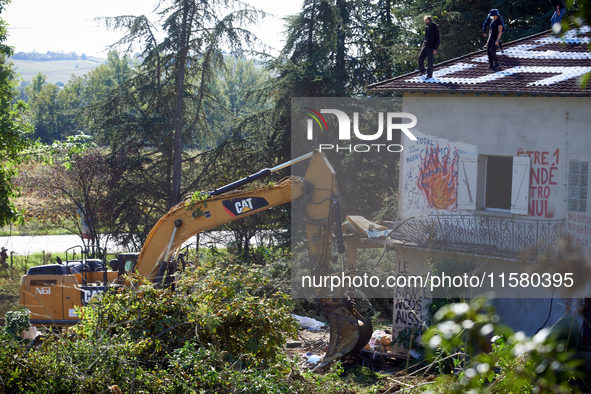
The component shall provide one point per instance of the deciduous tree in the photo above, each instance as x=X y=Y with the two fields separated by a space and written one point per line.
x=13 y=129
x=84 y=195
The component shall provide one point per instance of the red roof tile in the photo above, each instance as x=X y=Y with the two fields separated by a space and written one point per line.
x=541 y=64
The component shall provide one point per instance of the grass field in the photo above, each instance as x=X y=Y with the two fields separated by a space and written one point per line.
x=57 y=70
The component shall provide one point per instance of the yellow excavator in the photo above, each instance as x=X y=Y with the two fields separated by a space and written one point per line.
x=53 y=292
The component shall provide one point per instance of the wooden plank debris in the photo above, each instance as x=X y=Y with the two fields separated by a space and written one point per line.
x=362 y=225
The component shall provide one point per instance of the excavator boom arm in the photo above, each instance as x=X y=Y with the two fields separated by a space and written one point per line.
x=189 y=219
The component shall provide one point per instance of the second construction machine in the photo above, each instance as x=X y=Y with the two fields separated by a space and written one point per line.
x=52 y=294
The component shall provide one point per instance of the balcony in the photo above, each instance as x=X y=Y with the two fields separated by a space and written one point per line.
x=484 y=235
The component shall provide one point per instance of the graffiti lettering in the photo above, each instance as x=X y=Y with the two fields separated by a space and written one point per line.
x=409 y=302
x=542 y=178
x=579 y=228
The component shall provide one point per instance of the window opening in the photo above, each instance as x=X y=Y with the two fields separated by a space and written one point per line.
x=499 y=178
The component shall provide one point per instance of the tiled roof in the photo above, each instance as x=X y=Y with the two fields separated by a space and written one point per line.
x=541 y=64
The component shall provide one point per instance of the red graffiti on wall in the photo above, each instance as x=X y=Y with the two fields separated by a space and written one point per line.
x=438 y=177
x=542 y=179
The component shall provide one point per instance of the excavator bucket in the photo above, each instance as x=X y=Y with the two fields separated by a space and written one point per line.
x=349 y=331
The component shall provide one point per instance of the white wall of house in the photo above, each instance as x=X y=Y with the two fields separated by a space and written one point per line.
x=543 y=139
x=551 y=131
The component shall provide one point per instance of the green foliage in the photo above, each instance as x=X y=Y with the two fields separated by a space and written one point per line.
x=61 y=152
x=581 y=17
x=181 y=127
x=220 y=332
x=13 y=130
x=56 y=113
x=409 y=338
x=225 y=310
x=237 y=87
x=197 y=202
x=389 y=208
x=231 y=304
x=45 y=109
x=365 y=376
x=173 y=88
x=36 y=56
x=207 y=369
x=516 y=363
x=16 y=322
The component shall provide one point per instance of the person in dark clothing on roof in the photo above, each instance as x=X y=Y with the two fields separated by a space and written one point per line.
x=559 y=9
x=488 y=21
x=494 y=37
x=430 y=46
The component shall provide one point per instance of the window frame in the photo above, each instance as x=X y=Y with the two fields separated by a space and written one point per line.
x=471 y=189
x=579 y=184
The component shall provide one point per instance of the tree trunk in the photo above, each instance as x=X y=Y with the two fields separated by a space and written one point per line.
x=177 y=144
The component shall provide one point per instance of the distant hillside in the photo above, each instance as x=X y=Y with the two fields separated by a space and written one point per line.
x=56 y=70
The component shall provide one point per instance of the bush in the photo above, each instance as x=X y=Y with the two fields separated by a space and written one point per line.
x=16 y=322
x=462 y=333
x=219 y=332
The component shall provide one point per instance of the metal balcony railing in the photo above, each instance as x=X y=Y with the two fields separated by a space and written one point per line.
x=490 y=235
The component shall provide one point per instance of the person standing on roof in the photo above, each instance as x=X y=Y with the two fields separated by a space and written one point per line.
x=487 y=21
x=559 y=9
x=494 y=37
x=430 y=45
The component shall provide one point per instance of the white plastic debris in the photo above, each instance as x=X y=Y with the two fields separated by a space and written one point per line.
x=30 y=333
x=313 y=358
x=308 y=323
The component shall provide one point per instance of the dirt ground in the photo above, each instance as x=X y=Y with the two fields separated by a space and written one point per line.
x=308 y=343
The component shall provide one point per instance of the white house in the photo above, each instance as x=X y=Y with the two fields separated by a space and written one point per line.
x=499 y=171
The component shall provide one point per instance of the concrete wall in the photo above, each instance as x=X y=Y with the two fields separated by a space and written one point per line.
x=501 y=125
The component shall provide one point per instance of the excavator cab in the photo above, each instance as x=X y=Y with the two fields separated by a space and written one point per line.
x=126 y=262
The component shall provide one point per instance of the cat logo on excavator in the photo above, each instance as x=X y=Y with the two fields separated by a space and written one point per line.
x=239 y=206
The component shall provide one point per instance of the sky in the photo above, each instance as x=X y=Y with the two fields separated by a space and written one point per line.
x=68 y=25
